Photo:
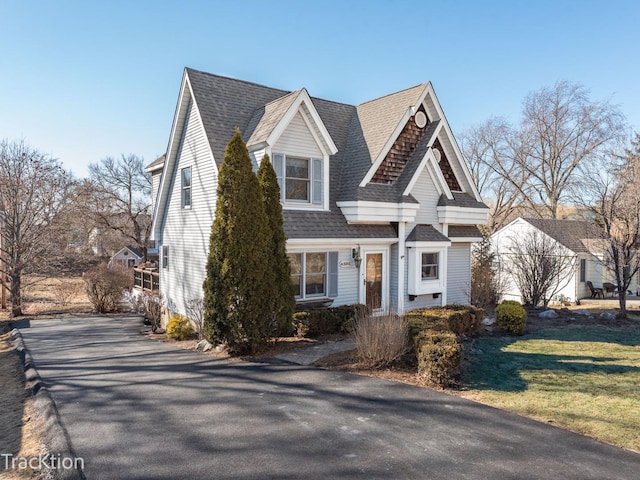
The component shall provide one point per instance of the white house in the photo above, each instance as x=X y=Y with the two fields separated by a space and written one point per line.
x=378 y=205
x=579 y=240
x=126 y=257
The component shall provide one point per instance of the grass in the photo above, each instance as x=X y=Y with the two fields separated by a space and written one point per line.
x=583 y=378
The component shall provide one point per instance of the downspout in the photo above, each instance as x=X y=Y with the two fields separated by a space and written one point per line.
x=401 y=262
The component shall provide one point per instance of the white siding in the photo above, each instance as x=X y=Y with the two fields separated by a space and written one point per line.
x=426 y=193
x=459 y=274
x=186 y=231
x=297 y=140
x=347 y=280
x=421 y=301
x=256 y=157
x=393 y=277
x=155 y=186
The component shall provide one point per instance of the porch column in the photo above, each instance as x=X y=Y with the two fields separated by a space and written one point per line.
x=401 y=254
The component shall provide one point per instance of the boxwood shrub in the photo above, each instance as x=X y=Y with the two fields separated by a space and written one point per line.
x=325 y=320
x=511 y=317
x=439 y=355
x=179 y=328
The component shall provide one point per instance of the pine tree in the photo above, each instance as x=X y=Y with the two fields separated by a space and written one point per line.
x=282 y=295
x=238 y=285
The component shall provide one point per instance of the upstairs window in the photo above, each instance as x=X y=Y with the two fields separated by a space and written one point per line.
x=186 y=187
x=165 y=256
x=300 y=179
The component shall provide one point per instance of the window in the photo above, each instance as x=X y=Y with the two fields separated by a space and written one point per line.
x=186 y=187
x=300 y=179
x=429 y=266
x=314 y=274
x=165 y=256
x=583 y=270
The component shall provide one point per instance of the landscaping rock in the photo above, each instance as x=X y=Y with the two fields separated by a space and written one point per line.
x=582 y=311
x=203 y=345
x=607 y=316
x=548 y=314
x=488 y=321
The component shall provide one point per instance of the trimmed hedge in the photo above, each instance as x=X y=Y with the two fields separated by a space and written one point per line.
x=322 y=321
x=434 y=331
x=179 y=328
x=439 y=355
x=511 y=317
x=460 y=319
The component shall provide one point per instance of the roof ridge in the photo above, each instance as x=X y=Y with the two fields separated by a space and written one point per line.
x=392 y=93
x=237 y=80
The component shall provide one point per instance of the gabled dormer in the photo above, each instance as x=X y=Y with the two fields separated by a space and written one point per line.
x=406 y=134
x=290 y=130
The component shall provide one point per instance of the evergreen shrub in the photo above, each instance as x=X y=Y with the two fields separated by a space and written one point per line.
x=511 y=317
x=179 y=328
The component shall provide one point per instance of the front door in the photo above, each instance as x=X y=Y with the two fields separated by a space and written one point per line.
x=373 y=280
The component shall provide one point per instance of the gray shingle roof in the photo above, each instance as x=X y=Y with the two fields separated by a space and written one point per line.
x=460 y=200
x=569 y=233
x=464 y=231
x=157 y=164
x=265 y=118
x=359 y=134
x=426 y=233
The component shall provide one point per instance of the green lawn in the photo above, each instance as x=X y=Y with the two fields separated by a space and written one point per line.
x=582 y=378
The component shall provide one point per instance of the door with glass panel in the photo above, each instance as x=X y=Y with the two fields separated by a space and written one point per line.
x=373 y=280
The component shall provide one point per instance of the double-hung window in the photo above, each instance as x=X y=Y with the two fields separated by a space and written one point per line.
x=300 y=179
x=165 y=256
x=314 y=274
x=430 y=265
x=186 y=187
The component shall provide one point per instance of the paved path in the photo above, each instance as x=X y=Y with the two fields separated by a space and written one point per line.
x=140 y=409
x=309 y=354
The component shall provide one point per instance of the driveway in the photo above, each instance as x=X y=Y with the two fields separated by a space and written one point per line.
x=140 y=409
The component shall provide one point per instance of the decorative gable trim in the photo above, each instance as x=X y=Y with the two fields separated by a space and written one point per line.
x=303 y=102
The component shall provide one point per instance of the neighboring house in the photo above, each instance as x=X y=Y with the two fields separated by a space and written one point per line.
x=127 y=257
x=579 y=240
x=378 y=205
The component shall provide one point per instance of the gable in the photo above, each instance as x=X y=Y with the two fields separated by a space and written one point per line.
x=393 y=165
x=297 y=139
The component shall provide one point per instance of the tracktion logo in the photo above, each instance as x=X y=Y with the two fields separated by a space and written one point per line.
x=44 y=461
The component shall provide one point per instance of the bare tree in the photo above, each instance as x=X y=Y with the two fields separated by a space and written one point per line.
x=536 y=166
x=561 y=129
x=492 y=150
x=613 y=197
x=118 y=198
x=33 y=192
x=539 y=266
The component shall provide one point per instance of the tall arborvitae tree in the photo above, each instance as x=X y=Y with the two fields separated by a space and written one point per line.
x=237 y=290
x=283 y=297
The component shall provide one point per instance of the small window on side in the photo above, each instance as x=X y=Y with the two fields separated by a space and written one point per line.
x=186 y=187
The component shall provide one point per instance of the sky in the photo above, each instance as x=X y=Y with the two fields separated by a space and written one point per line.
x=84 y=80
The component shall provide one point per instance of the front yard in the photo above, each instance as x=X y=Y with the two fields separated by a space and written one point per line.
x=585 y=378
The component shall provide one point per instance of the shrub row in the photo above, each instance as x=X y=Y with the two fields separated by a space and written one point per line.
x=434 y=337
x=322 y=321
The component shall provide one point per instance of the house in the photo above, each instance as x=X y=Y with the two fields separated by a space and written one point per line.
x=581 y=241
x=378 y=206
x=127 y=257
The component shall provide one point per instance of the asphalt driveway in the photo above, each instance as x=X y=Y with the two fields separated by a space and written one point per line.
x=139 y=409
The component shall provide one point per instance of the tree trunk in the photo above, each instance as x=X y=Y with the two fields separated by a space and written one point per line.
x=16 y=296
x=622 y=298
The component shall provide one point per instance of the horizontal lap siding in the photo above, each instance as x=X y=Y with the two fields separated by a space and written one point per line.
x=427 y=195
x=187 y=231
x=297 y=140
x=459 y=275
x=347 y=280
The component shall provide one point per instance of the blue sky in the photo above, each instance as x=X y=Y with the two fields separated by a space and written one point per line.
x=82 y=80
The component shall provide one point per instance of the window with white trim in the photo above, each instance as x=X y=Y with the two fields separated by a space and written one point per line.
x=300 y=179
x=427 y=267
x=186 y=187
x=430 y=265
x=314 y=274
x=165 y=256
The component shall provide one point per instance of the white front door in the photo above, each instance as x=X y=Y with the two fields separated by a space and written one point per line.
x=374 y=283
